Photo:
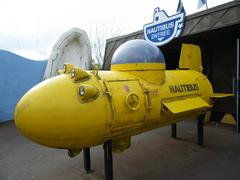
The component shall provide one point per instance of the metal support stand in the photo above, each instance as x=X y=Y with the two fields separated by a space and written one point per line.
x=107 y=146
x=174 y=130
x=87 y=160
x=200 y=130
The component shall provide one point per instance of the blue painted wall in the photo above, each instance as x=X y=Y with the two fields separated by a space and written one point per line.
x=17 y=76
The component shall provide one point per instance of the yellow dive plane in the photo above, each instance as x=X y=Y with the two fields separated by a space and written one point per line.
x=79 y=109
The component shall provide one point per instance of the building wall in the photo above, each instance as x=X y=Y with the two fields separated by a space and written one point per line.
x=18 y=75
x=222 y=62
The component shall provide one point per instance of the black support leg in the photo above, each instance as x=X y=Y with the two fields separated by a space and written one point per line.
x=87 y=160
x=108 y=160
x=200 y=130
x=174 y=130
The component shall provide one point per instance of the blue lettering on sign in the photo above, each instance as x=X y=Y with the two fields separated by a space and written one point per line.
x=163 y=28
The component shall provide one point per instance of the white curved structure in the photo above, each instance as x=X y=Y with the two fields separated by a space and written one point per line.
x=72 y=47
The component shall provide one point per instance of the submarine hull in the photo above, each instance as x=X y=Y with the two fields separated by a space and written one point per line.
x=53 y=114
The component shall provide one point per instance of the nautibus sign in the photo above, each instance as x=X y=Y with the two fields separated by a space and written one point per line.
x=183 y=88
x=163 y=28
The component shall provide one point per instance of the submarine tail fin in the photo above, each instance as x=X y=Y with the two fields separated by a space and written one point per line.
x=190 y=58
x=221 y=95
x=184 y=104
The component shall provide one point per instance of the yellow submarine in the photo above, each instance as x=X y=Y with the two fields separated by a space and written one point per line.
x=79 y=108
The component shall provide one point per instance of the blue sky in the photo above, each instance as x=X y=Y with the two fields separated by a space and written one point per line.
x=31 y=27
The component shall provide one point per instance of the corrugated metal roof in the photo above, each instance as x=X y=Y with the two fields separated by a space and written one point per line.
x=215 y=18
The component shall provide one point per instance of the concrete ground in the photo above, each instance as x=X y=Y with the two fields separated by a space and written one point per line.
x=153 y=155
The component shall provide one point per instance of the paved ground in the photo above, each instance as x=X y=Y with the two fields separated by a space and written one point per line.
x=153 y=155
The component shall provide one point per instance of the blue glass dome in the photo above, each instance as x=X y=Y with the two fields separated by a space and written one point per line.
x=137 y=51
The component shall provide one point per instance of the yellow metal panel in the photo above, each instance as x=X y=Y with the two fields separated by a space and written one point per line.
x=126 y=114
x=138 y=66
x=190 y=57
x=228 y=119
x=221 y=95
x=207 y=117
x=186 y=104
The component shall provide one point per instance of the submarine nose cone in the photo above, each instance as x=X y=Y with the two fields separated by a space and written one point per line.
x=41 y=111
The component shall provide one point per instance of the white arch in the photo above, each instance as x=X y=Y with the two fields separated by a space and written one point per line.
x=72 y=47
